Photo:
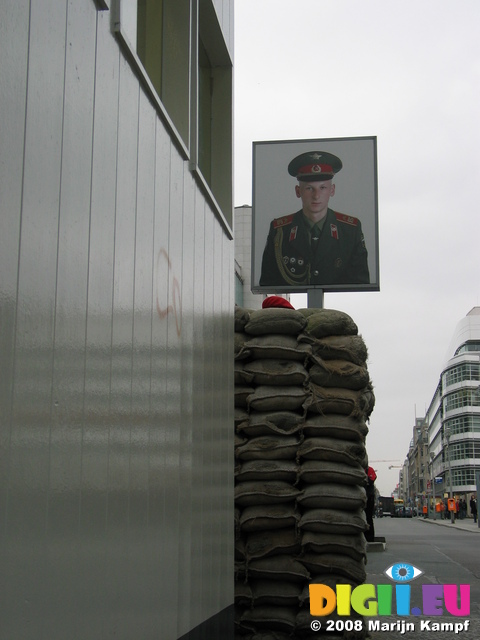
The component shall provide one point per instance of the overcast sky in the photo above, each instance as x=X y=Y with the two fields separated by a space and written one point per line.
x=408 y=73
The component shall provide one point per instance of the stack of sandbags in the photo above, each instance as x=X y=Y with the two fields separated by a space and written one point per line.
x=302 y=399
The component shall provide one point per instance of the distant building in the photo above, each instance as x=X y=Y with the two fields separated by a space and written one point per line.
x=243 y=260
x=417 y=464
x=453 y=416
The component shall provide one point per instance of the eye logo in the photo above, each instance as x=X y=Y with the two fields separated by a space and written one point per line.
x=402 y=572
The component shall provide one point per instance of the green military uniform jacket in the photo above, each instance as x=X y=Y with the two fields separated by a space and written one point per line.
x=339 y=256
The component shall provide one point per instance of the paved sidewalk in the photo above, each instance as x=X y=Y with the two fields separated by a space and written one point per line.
x=465 y=525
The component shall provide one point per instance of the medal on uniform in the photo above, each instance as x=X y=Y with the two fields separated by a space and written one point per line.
x=334 y=231
x=293 y=234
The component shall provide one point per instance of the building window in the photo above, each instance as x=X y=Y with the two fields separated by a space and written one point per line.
x=463 y=477
x=461 y=373
x=179 y=49
x=213 y=145
x=462 y=398
x=470 y=345
x=158 y=33
x=465 y=450
x=464 y=424
x=162 y=43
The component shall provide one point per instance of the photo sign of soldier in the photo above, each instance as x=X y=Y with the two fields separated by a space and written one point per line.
x=316 y=244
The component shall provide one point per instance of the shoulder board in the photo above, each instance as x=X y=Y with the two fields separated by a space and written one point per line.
x=342 y=217
x=281 y=222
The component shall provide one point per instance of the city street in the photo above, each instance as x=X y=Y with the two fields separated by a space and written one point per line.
x=447 y=554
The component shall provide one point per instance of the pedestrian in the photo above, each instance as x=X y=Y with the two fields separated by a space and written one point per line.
x=473 y=506
x=370 y=506
x=315 y=245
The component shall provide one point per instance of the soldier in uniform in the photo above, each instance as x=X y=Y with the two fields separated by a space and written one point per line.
x=316 y=245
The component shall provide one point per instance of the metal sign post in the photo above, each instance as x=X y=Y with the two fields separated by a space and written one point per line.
x=315 y=298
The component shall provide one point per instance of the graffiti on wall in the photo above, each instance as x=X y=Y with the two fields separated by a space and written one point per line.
x=169 y=298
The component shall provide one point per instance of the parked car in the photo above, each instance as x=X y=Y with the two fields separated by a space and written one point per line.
x=408 y=512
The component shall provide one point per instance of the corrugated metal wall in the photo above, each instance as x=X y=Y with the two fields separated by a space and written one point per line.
x=116 y=388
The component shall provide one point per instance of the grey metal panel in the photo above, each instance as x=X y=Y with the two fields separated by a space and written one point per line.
x=122 y=552
x=99 y=600
x=120 y=466
x=224 y=9
x=198 y=398
x=208 y=524
x=28 y=499
x=69 y=432
x=188 y=509
x=13 y=81
x=227 y=455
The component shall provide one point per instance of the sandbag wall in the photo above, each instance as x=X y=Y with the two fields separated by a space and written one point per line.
x=302 y=399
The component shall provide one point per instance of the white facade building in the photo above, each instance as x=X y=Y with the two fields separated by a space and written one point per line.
x=454 y=413
x=243 y=260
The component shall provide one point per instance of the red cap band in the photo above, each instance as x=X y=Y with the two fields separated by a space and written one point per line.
x=312 y=169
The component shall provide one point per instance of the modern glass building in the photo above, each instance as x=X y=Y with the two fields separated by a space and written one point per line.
x=453 y=416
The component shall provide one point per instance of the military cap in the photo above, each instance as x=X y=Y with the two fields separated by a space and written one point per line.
x=276 y=301
x=314 y=166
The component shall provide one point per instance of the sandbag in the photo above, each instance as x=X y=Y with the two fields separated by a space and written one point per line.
x=351 y=348
x=279 y=568
x=324 y=400
x=241 y=395
x=268 y=635
x=271 y=398
x=239 y=341
x=240 y=554
x=236 y=517
x=278 y=347
x=241 y=317
x=276 y=372
x=261 y=544
x=265 y=635
x=263 y=470
x=239 y=440
x=335 y=563
x=318 y=471
x=281 y=593
x=339 y=373
x=240 y=376
x=264 y=423
x=268 y=448
x=268 y=517
x=354 y=546
x=275 y=320
x=243 y=594
x=333 y=521
x=271 y=618
x=331 y=449
x=240 y=415
x=335 y=426
x=328 y=322
x=264 y=493
x=332 y=496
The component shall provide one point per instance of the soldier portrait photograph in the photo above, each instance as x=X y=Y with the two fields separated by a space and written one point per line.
x=310 y=228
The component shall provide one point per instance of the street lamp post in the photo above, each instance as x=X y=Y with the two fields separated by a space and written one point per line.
x=447 y=436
